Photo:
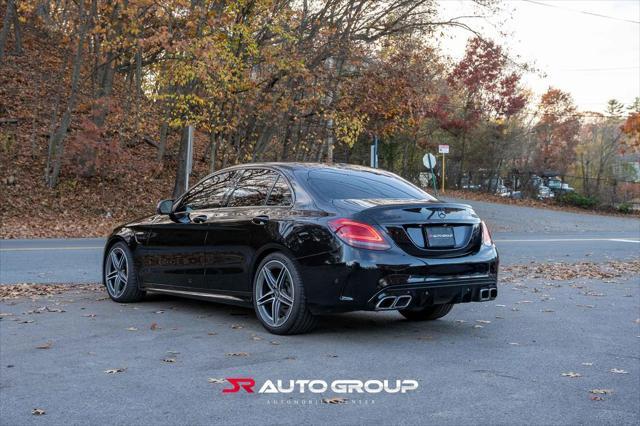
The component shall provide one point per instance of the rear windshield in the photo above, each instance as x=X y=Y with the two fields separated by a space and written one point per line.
x=349 y=184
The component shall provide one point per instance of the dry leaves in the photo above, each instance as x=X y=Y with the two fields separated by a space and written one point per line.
x=618 y=371
x=155 y=326
x=169 y=360
x=114 y=370
x=16 y=291
x=335 y=400
x=237 y=354
x=571 y=374
x=568 y=271
x=47 y=345
x=38 y=412
x=601 y=391
x=214 y=380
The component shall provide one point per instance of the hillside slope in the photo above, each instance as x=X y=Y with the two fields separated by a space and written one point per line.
x=33 y=87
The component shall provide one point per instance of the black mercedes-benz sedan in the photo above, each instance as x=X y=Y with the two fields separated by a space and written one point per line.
x=294 y=240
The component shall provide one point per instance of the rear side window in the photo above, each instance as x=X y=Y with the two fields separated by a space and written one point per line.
x=253 y=188
x=280 y=194
x=351 y=184
x=208 y=194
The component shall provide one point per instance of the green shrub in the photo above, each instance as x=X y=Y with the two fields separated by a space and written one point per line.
x=625 y=208
x=578 y=200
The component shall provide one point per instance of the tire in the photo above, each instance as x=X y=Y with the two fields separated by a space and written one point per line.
x=426 y=313
x=120 y=278
x=278 y=292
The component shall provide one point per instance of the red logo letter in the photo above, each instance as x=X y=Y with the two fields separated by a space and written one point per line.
x=246 y=383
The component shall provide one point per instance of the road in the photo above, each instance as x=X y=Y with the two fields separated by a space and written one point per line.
x=533 y=356
x=522 y=235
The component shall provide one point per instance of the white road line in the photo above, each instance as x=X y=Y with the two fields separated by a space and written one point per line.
x=50 y=248
x=552 y=240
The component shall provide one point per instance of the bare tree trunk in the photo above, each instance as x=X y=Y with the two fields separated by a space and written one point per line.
x=56 y=141
x=213 y=151
x=6 y=26
x=180 y=185
x=162 y=146
x=17 y=48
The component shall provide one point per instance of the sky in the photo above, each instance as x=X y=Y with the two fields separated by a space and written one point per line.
x=592 y=57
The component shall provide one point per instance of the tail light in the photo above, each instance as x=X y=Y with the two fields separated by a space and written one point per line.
x=486 y=235
x=358 y=234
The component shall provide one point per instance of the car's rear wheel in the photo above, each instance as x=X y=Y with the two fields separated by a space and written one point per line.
x=119 y=275
x=426 y=313
x=279 y=298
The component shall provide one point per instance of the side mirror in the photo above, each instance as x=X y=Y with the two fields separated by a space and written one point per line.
x=164 y=207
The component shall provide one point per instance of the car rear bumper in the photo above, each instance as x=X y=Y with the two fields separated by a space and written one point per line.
x=352 y=279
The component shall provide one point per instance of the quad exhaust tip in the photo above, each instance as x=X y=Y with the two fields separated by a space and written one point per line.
x=488 y=294
x=393 y=302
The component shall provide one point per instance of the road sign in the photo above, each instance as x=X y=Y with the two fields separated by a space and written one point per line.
x=429 y=161
x=443 y=149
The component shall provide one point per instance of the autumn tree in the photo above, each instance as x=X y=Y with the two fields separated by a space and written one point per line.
x=484 y=87
x=556 y=132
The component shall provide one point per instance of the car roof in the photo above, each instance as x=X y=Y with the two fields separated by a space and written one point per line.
x=296 y=166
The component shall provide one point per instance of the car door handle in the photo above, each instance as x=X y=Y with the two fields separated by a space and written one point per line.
x=201 y=218
x=260 y=220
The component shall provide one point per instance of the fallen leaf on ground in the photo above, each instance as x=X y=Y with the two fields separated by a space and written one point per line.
x=483 y=321
x=159 y=312
x=236 y=326
x=114 y=370
x=38 y=412
x=47 y=345
x=211 y=333
x=571 y=374
x=477 y=326
x=169 y=360
x=214 y=380
x=548 y=310
x=597 y=398
x=237 y=354
x=514 y=343
x=155 y=326
x=90 y=315
x=601 y=391
x=334 y=400
x=132 y=329
x=500 y=306
x=273 y=342
x=618 y=371
x=256 y=338
x=26 y=322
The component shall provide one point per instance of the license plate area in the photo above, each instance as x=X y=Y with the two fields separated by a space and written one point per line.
x=440 y=237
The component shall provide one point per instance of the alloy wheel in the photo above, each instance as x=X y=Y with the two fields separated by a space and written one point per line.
x=117 y=272
x=274 y=293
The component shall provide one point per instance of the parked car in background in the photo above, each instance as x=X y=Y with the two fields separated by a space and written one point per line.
x=556 y=185
x=544 y=192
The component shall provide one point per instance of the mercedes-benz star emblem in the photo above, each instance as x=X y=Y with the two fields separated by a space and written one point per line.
x=442 y=214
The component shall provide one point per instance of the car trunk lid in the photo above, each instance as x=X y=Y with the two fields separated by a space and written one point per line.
x=423 y=228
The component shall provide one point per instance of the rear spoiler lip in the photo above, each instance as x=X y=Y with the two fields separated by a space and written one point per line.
x=403 y=204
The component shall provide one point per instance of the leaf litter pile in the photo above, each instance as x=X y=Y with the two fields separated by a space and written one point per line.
x=570 y=271
x=16 y=291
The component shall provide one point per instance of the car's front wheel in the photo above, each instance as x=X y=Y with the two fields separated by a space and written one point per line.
x=279 y=298
x=426 y=313
x=119 y=275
